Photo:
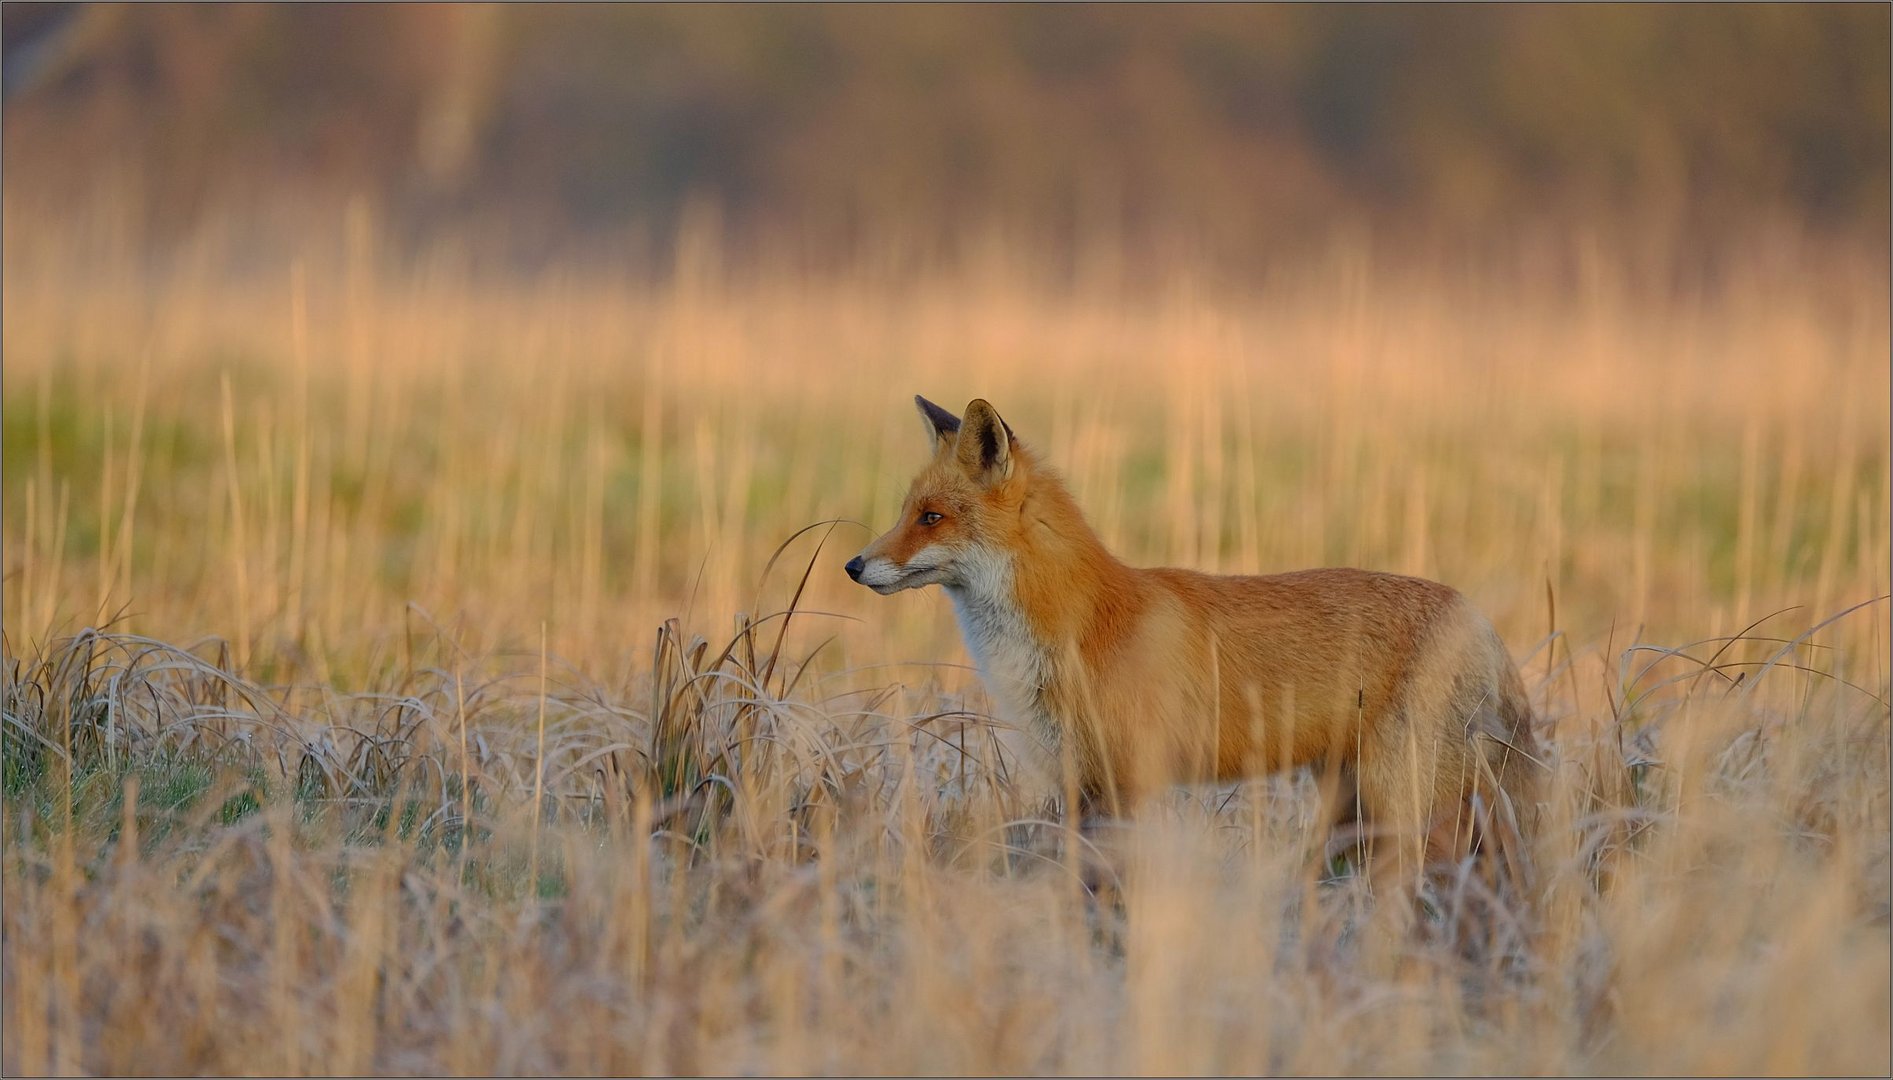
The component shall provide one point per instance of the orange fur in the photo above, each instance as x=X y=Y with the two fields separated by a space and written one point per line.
x=1148 y=677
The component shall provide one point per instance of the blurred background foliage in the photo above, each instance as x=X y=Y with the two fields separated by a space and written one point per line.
x=1232 y=130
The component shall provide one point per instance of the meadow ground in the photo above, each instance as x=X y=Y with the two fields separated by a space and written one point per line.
x=323 y=577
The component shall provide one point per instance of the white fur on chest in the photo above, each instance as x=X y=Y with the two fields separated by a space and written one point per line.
x=1012 y=662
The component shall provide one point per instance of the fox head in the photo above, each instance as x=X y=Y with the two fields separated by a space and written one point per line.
x=958 y=509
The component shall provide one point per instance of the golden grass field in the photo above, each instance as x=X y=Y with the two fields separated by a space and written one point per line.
x=322 y=574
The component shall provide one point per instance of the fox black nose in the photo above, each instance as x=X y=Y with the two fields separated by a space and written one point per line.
x=855 y=566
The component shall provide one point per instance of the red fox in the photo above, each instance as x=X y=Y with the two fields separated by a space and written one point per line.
x=1147 y=677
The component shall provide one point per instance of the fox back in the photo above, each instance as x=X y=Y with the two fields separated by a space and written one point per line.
x=1141 y=678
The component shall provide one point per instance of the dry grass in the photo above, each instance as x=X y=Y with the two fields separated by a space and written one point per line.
x=276 y=812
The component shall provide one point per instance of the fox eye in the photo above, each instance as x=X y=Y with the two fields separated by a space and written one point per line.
x=929 y=518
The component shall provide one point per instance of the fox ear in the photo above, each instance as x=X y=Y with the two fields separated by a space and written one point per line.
x=941 y=424
x=984 y=449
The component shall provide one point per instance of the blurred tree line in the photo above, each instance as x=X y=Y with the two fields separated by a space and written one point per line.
x=1240 y=126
